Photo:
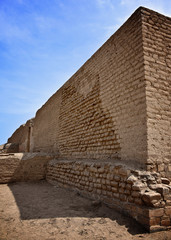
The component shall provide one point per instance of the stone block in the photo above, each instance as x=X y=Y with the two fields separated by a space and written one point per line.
x=114 y=184
x=132 y=179
x=154 y=221
x=168 y=211
x=135 y=194
x=114 y=189
x=165 y=181
x=162 y=189
x=148 y=197
x=166 y=222
x=156 y=212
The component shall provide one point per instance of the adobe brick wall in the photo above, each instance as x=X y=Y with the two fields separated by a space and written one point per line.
x=100 y=112
x=157 y=63
x=19 y=167
x=23 y=136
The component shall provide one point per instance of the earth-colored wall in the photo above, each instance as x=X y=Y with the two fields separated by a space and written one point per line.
x=20 y=167
x=157 y=60
x=117 y=105
x=23 y=137
x=101 y=111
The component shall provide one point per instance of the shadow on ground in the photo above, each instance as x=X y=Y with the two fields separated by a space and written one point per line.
x=40 y=200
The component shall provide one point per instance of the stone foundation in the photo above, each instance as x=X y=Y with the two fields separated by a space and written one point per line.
x=143 y=195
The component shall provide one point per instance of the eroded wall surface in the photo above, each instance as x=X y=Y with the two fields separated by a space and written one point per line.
x=101 y=111
x=143 y=195
x=157 y=60
x=21 y=167
x=23 y=137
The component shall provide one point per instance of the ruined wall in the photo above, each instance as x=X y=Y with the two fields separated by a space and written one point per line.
x=23 y=137
x=157 y=60
x=101 y=111
x=19 y=167
x=143 y=195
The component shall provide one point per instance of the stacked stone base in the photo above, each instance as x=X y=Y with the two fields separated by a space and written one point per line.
x=143 y=195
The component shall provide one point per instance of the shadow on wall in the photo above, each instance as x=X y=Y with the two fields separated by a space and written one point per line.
x=41 y=200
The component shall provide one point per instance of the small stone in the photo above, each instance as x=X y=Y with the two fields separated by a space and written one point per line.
x=137 y=186
x=122 y=197
x=101 y=170
x=116 y=178
x=168 y=211
x=156 y=212
x=160 y=188
x=165 y=222
x=135 y=194
x=132 y=179
x=148 y=197
x=115 y=190
x=124 y=172
x=116 y=195
x=138 y=201
x=154 y=221
x=165 y=181
x=114 y=184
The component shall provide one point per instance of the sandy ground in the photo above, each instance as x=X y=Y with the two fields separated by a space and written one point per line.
x=33 y=211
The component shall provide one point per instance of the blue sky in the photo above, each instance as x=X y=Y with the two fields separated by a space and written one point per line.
x=44 y=42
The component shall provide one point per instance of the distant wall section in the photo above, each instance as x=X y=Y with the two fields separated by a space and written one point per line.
x=23 y=136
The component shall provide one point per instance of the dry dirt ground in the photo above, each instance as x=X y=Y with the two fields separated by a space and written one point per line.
x=33 y=211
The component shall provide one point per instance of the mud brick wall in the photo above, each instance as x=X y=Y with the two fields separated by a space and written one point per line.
x=157 y=60
x=23 y=167
x=101 y=111
x=117 y=105
x=23 y=137
x=143 y=195
x=46 y=125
